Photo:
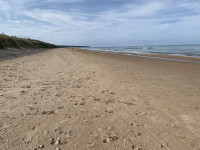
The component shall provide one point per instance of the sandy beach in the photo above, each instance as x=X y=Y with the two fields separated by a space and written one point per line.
x=79 y=100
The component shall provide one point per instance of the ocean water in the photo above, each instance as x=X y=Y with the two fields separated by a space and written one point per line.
x=177 y=50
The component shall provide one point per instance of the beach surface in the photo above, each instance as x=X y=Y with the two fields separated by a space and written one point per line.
x=78 y=100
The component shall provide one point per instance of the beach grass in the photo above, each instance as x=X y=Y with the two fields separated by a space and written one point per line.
x=20 y=43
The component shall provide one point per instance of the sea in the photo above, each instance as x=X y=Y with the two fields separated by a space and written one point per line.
x=175 y=50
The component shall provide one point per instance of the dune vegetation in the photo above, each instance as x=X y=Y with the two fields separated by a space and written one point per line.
x=21 y=43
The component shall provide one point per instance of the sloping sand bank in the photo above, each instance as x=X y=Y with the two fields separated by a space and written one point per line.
x=98 y=101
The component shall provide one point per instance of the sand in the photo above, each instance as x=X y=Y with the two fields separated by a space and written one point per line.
x=98 y=101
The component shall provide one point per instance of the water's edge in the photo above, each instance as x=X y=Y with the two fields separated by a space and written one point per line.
x=174 y=50
x=161 y=56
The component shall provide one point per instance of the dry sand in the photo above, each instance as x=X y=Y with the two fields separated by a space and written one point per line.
x=98 y=101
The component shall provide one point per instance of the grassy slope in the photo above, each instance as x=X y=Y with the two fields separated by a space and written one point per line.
x=15 y=42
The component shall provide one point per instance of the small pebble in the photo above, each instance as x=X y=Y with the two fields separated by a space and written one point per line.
x=51 y=139
x=107 y=140
x=70 y=133
x=113 y=93
x=41 y=146
x=57 y=149
x=60 y=132
x=97 y=99
x=113 y=136
x=23 y=92
x=82 y=103
x=57 y=142
x=135 y=124
x=58 y=138
x=143 y=113
x=109 y=111
x=51 y=112
x=61 y=107
x=138 y=133
x=46 y=132
x=44 y=112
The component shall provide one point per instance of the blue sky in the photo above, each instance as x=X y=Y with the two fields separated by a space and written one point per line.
x=103 y=22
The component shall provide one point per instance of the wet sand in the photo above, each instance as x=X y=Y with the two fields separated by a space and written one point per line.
x=98 y=101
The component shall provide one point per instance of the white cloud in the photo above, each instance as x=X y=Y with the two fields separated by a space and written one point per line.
x=63 y=1
x=58 y=18
x=4 y=5
x=192 y=5
x=131 y=22
x=149 y=9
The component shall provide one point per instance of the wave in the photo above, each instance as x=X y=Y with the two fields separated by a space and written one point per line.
x=181 y=50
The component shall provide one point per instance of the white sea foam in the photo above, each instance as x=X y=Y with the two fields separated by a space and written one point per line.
x=174 y=50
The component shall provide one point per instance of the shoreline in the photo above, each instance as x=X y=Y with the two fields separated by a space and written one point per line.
x=179 y=67
x=170 y=57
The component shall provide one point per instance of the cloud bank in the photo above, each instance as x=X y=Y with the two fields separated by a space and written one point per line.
x=103 y=23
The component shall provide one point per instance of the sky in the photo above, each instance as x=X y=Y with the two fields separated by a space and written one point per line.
x=103 y=22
